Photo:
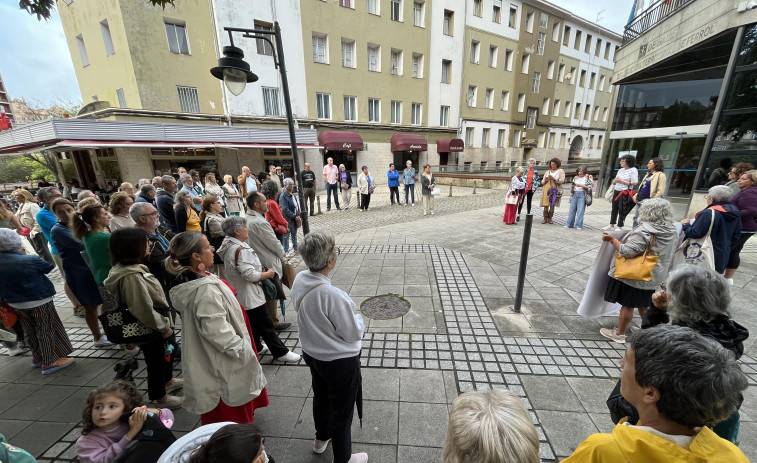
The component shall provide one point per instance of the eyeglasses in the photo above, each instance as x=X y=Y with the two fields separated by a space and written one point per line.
x=338 y=251
x=154 y=214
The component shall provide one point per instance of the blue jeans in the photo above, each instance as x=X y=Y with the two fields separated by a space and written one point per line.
x=293 y=234
x=577 y=209
x=332 y=189
x=410 y=188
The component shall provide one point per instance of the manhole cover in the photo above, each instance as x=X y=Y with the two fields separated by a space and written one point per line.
x=385 y=307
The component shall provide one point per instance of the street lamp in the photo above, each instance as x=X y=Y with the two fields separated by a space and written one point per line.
x=235 y=73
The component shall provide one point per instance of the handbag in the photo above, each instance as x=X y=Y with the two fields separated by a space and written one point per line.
x=289 y=273
x=436 y=191
x=512 y=199
x=696 y=251
x=637 y=268
x=8 y=316
x=345 y=186
x=588 y=198
x=610 y=193
x=122 y=327
x=280 y=229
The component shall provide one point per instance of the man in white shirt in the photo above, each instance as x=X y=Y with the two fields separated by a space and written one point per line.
x=331 y=179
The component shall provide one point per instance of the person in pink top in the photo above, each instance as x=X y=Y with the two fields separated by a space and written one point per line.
x=331 y=178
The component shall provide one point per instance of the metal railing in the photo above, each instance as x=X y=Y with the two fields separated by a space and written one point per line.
x=507 y=171
x=651 y=16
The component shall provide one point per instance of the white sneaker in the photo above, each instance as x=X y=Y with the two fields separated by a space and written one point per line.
x=263 y=349
x=610 y=334
x=102 y=342
x=619 y=229
x=7 y=336
x=289 y=357
x=608 y=228
x=319 y=446
x=12 y=351
x=358 y=458
x=730 y=281
x=578 y=228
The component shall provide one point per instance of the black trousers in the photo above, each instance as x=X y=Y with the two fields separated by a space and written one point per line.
x=394 y=191
x=262 y=327
x=620 y=208
x=335 y=386
x=529 y=195
x=309 y=194
x=365 y=200
x=159 y=372
x=734 y=260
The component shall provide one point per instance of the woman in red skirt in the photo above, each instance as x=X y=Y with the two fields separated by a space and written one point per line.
x=514 y=196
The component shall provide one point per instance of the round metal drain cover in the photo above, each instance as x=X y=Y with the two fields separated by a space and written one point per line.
x=385 y=307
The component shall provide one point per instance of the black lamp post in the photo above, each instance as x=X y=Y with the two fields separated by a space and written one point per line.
x=235 y=73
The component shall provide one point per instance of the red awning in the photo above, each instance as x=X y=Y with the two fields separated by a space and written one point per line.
x=408 y=142
x=340 y=141
x=454 y=145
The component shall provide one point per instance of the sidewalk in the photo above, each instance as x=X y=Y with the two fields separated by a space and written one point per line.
x=458 y=270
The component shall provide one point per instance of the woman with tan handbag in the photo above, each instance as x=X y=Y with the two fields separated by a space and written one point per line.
x=641 y=263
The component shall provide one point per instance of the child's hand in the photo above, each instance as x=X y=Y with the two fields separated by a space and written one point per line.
x=136 y=421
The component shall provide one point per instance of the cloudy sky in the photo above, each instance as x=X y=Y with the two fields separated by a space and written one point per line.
x=37 y=65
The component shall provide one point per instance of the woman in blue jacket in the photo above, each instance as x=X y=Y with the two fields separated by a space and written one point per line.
x=26 y=289
x=393 y=180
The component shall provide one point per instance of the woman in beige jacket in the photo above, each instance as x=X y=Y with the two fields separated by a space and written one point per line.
x=551 y=192
x=222 y=372
x=652 y=185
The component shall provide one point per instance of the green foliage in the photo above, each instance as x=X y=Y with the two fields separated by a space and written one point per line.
x=22 y=169
x=43 y=8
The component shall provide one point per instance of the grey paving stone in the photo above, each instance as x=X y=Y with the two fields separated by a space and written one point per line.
x=11 y=427
x=289 y=380
x=68 y=410
x=41 y=402
x=42 y=435
x=381 y=384
x=602 y=421
x=380 y=423
x=551 y=393
x=423 y=425
x=565 y=438
x=280 y=417
x=748 y=440
x=418 y=454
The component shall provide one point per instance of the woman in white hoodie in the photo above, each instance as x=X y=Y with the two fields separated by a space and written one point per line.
x=221 y=371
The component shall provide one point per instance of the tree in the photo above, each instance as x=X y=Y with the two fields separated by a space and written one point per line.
x=43 y=8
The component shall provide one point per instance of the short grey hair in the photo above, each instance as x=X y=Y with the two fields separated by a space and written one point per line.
x=147 y=188
x=530 y=160
x=166 y=180
x=231 y=224
x=699 y=295
x=288 y=181
x=180 y=198
x=699 y=381
x=317 y=249
x=656 y=210
x=269 y=188
x=9 y=240
x=490 y=425
x=84 y=194
x=184 y=177
x=46 y=192
x=137 y=210
x=720 y=193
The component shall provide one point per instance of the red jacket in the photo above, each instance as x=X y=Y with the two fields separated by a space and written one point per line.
x=274 y=216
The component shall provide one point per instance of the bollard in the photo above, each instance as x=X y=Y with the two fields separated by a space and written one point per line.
x=474 y=187
x=523 y=260
x=318 y=200
x=450 y=190
x=357 y=195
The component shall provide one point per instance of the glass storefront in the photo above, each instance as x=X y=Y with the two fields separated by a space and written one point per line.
x=166 y=161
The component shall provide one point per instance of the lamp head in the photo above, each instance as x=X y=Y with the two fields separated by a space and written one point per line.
x=233 y=70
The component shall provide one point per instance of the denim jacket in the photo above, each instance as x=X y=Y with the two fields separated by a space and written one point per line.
x=408 y=176
x=23 y=278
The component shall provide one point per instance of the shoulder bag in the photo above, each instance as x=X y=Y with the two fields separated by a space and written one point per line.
x=289 y=273
x=588 y=199
x=122 y=327
x=610 y=193
x=696 y=251
x=512 y=199
x=269 y=289
x=637 y=268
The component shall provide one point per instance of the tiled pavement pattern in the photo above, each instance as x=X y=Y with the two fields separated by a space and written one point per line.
x=458 y=270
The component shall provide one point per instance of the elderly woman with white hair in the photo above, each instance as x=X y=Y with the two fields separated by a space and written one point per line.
x=490 y=426
x=655 y=235
x=698 y=298
x=245 y=273
x=532 y=183
x=514 y=196
x=726 y=224
x=331 y=333
x=27 y=289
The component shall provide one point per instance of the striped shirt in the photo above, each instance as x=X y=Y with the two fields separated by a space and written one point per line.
x=628 y=175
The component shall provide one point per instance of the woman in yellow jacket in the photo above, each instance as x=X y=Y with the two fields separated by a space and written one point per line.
x=652 y=185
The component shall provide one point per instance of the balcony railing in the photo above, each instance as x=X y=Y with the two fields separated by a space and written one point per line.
x=651 y=16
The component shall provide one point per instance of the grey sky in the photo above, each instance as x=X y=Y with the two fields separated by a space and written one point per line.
x=36 y=64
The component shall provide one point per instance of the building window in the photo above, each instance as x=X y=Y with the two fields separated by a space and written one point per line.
x=598 y=47
x=350 y=108
x=521 y=102
x=552 y=139
x=508 y=60
x=484 y=141
x=477 y=7
x=587 y=45
x=596 y=113
x=543 y=19
x=348 y=53
x=417 y=66
x=82 y=51
x=536 y=83
x=396 y=63
x=416 y=114
x=497 y=11
x=189 y=102
x=493 y=56
x=396 y=112
x=121 y=98
x=545 y=106
x=418 y=14
x=593 y=80
x=531 y=118
x=320 y=49
x=505 y=105
x=372 y=6
x=540 y=43
x=501 y=137
x=472 y=95
x=516 y=139
x=582 y=81
x=604 y=114
x=469 y=136
x=374 y=58
x=561 y=73
x=345 y=3
x=524 y=62
x=555 y=32
x=577 y=112
x=512 y=18
x=601 y=82
x=446 y=71
x=591 y=141
x=475 y=46
x=577 y=43
x=568 y=105
x=489 y=98
x=395 y=7
x=449 y=22
x=374 y=110
x=107 y=39
x=271 y=101
x=562 y=140
x=587 y=112
x=566 y=36
x=607 y=50
x=572 y=75
x=600 y=141
x=530 y=22
x=323 y=105
x=264 y=48
x=550 y=70
x=177 y=38
x=556 y=109
x=444 y=116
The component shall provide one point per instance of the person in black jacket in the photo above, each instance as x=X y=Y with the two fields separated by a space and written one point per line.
x=698 y=298
x=725 y=230
x=164 y=202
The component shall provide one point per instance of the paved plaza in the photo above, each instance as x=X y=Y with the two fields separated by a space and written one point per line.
x=458 y=271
